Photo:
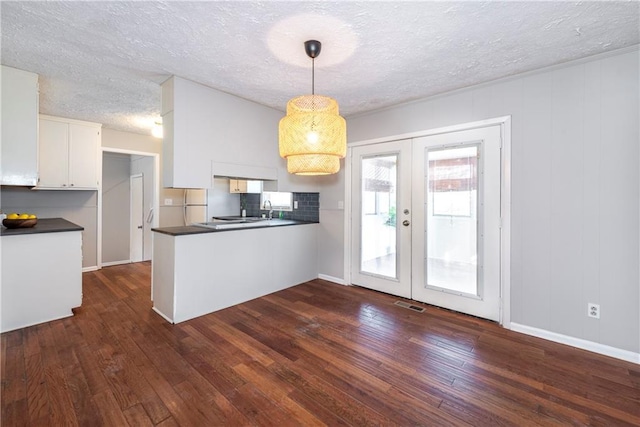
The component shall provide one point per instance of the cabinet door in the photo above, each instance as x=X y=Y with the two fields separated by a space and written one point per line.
x=19 y=127
x=242 y=186
x=83 y=156
x=53 y=154
x=235 y=186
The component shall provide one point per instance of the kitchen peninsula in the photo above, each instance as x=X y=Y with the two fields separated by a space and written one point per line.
x=41 y=273
x=198 y=270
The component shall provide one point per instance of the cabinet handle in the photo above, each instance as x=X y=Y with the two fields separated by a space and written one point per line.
x=72 y=185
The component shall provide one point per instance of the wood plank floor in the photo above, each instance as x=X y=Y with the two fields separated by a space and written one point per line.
x=315 y=354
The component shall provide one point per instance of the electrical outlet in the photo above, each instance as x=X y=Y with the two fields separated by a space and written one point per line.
x=295 y=204
x=168 y=202
x=593 y=310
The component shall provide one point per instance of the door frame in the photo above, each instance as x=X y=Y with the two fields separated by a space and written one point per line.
x=505 y=200
x=156 y=190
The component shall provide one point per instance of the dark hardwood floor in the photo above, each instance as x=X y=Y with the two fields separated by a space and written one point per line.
x=314 y=354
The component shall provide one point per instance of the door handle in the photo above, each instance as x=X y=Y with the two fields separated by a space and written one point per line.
x=406 y=223
x=150 y=216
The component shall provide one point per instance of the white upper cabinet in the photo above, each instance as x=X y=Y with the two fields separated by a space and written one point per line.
x=54 y=153
x=186 y=159
x=68 y=152
x=206 y=130
x=84 y=143
x=19 y=127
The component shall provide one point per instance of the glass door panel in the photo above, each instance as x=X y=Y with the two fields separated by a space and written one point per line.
x=451 y=213
x=379 y=237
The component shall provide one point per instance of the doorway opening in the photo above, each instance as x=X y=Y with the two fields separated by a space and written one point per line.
x=127 y=206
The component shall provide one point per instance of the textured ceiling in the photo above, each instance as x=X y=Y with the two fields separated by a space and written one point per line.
x=104 y=61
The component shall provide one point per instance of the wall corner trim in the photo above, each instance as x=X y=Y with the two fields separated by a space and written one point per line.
x=332 y=279
x=594 y=347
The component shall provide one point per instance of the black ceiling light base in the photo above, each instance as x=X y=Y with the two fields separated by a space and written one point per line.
x=312 y=47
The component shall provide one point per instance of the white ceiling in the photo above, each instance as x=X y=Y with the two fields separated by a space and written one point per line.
x=104 y=61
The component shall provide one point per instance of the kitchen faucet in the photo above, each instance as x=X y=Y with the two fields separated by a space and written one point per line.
x=264 y=205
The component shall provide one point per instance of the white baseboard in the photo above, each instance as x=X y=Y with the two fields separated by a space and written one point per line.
x=331 y=279
x=595 y=347
x=111 y=263
x=162 y=315
x=92 y=268
x=37 y=323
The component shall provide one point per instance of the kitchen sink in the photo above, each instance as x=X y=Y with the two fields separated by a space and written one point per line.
x=244 y=224
x=255 y=219
x=218 y=224
x=235 y=220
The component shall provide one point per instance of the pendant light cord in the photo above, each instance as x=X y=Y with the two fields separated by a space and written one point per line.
x=313 y=76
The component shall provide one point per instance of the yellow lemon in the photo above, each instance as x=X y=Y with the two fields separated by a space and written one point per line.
x=32 y=216
x=23 y=216
x=12 y=216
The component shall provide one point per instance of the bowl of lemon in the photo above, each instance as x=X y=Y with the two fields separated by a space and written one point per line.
x=23 y=220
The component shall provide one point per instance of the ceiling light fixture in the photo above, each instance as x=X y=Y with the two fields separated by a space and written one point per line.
x=313 y=136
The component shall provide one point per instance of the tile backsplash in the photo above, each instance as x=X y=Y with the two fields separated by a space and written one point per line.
x=308 y=207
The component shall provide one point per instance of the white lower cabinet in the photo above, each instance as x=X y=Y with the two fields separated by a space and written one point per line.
x=197 y=274
x=68 y=154
x=41 y=278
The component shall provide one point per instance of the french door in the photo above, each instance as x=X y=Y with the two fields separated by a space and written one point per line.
x=381 y=199
x=426 y=219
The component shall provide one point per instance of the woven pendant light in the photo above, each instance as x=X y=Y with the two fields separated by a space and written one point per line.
x=313 y=136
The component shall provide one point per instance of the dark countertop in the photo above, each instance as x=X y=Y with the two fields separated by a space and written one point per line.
x=192 y=229
x=44 y=225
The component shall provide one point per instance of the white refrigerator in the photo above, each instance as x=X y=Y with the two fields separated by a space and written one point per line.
x=195 y=206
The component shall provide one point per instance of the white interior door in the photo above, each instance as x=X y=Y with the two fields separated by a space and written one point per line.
x=381 y=199
x=136 y=245
x=456 y=221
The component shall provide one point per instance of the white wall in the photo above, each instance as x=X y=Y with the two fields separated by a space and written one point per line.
x=116 y=172
x=131 y=141
x=220 y=201
x=331 y=229
x=575 y=190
